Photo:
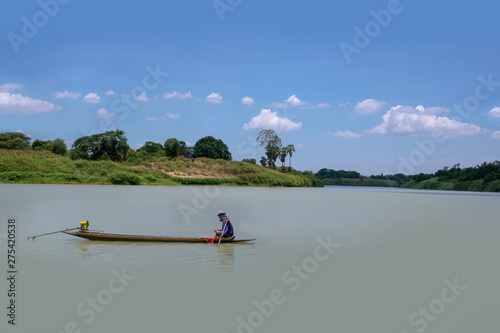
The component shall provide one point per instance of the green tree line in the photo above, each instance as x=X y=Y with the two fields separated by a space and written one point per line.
x=113 y=146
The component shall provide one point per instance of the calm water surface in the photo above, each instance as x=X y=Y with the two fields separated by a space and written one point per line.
x=396 y=248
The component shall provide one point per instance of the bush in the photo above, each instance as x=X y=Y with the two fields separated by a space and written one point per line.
x=124 y=178
x=493 y=186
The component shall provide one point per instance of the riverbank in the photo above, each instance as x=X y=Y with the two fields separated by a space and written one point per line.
x=33 y=167
x=479 y=185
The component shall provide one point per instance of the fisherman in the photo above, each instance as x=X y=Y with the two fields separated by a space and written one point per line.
x=227 y=228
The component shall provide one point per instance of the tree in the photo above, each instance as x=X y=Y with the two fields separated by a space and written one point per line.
x=14 y=140
x=211 y=148
x=271 y=143
x=110 y=145
x=59 y=147
x=291 y=150
x=151 y=147
x=249 y=160
x=40 y=145
x=172 y=147
x=263 y=161
x=283 y=155
x=186 y=151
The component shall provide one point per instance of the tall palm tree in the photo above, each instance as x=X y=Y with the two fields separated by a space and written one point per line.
x=283 y=155
x=290 y=149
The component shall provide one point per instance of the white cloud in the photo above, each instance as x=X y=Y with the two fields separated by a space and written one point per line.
x=171 y=116
x=167 y=115
x=270 y=120
x=294 y=101
x=92 y=98
x=420 y=121
x=142 y=98
x=291 y=101
x=345 y=134
x=323 y=105
x=368 y=106
x=343 y=105
x=496 y=135
x=175 y=94
x=301 y=145
x=8 y=87
x=110 y=93
x=104 y=113
x=495 y=112
x=17 y=103
x=67 y=94
x=214 y=98
x=247 y=100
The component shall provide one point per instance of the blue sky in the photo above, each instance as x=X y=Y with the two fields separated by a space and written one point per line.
x=372 y=86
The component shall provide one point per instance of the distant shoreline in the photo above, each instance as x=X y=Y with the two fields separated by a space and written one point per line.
x=34 y=167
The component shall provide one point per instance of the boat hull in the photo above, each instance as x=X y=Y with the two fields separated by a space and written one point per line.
x=101 y=236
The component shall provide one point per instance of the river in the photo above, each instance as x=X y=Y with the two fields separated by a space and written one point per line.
x=341 y=259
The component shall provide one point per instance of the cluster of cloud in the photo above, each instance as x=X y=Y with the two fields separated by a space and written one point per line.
x=142 y=98
x=345 y=134
x=267 y=119
x=105 y=114
x=67 y=94
x=495 y=112
x=8 y=87
x=166 y=116
x=368 y=106
x=92 y=98
x=214 y=98
x=294 y=101
x=420 y=121
x=399 y=120
x=17 y=103
x=175 y=94
x=247 y=100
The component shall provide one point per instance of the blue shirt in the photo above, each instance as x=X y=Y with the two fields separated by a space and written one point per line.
x=227 y=228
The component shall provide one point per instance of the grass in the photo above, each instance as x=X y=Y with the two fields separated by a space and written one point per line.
x=478 y=185
x=360 y=182
x=44 y=167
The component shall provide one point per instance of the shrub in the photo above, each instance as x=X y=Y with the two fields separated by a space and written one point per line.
x=124 y=178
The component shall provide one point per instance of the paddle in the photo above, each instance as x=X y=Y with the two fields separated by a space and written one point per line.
x=223 y=229
x=50 y=233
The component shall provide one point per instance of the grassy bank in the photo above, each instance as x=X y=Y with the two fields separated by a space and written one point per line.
x=360 y=182
x=27 y=166
x=478 y=185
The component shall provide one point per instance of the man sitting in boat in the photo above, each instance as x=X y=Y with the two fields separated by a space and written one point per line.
x=227 y=227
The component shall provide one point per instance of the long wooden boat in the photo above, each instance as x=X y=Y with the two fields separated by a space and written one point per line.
x=102 y=236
